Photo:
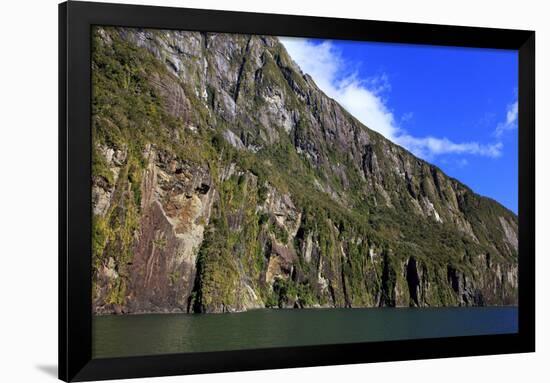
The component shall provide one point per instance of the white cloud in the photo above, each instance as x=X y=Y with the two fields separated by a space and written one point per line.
x=363 y=99
x=511 y=120
x=429 y=147
x=319 y=61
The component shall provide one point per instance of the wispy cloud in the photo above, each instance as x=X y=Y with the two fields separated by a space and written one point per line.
x=463 y=162
x=429 y=147
x=406 y=117
x=511 y=121
x=364 y=99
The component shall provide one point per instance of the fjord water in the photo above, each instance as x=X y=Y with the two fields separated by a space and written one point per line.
x=147 y=334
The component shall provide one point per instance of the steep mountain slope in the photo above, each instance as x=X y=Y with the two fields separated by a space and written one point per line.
x=225 y=180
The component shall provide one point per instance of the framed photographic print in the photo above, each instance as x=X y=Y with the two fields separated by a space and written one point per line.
x=248 y=191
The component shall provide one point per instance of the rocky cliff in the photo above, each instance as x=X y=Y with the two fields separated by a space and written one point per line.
x=224 y=179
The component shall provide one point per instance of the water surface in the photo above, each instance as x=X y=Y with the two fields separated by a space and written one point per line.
x=134 y=335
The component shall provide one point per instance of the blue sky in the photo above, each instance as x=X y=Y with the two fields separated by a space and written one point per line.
x=454 y=107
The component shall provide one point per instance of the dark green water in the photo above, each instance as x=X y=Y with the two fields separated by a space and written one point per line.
x=174 y=333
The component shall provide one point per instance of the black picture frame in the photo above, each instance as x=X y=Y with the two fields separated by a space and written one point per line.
x=75 y=314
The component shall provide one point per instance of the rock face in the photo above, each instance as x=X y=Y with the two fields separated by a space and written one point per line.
x=225 y=180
